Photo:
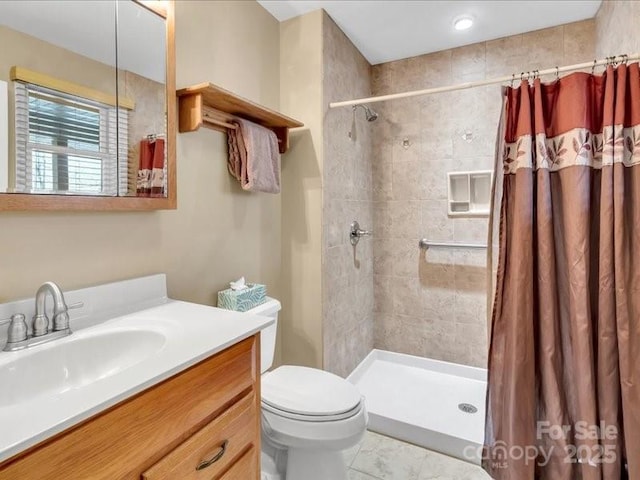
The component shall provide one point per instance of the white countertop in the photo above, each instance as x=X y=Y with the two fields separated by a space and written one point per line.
x=193 y=332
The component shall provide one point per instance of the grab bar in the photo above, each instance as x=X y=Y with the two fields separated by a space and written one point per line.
x=425 y=244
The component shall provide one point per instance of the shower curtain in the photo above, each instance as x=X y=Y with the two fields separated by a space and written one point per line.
x=563 y=400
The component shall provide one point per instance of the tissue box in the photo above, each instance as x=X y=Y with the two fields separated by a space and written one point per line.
x=242 y=300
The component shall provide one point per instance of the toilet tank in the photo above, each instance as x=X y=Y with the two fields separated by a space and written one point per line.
x=270 y=308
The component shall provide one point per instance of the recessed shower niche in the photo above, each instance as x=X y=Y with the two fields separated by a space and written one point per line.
x=469 y=193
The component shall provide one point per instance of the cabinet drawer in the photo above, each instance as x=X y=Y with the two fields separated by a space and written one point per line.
x=220 y=442
x=244 y=469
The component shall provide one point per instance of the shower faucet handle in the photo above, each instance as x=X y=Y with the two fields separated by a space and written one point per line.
x=356 y=232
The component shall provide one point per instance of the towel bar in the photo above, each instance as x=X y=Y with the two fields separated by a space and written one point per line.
x=207 y=118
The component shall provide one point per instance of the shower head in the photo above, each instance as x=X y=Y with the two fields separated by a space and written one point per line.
x=370 y=115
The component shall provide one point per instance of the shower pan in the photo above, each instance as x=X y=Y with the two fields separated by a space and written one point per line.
x=434 y=404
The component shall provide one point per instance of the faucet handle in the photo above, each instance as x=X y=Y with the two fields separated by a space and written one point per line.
x=17 y=329
x=61 y=320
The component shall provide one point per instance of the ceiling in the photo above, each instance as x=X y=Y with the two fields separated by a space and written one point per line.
x=391 y=30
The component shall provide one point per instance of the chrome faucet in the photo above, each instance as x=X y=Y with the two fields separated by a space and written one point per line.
x=60 y=315
x=18 y=337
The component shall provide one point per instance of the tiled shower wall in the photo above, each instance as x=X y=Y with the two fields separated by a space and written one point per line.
x=347 y=195
x=617 y=28
x=434 y=304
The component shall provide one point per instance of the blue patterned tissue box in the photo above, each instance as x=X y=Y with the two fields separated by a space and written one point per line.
x=242 y=300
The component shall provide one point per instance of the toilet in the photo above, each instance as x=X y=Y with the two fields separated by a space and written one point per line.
x=309 y=416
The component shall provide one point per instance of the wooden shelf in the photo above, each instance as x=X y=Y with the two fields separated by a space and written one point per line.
x=207 y=105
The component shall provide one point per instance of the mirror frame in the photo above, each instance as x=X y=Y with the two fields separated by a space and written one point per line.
x=45 y=202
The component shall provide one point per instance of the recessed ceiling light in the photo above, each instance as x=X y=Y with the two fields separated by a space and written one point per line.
x=463 y=23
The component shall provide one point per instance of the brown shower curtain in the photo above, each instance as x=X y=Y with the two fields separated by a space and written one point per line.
x=564 y=361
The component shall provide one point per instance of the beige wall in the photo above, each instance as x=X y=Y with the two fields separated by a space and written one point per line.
x=617 y=28
x=435 y=305
x=347 y=272
x=218 y=232
x=301 y=98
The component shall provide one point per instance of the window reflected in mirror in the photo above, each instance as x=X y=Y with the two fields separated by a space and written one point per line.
x=65 y=144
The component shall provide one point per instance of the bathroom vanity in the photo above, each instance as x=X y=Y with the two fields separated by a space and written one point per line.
x=186 y=408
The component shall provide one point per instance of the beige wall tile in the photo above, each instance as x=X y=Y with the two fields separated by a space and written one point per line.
x=406 y=258
x=579 y=42
x=437 y=269
x=383 y=256
x=406 y=297
x=436 y=224
x=438 y=305
x=470 y=308
x=406 y=221
x=616 y=28
x=406 y=180
x=348 y=192
x=382 y=181
x=434 y=178
x=468 y=63
x=470 y=230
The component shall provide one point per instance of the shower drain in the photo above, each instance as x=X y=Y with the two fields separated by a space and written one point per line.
x=467 y=408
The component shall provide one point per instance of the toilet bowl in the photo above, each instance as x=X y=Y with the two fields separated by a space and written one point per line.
x=309 y=416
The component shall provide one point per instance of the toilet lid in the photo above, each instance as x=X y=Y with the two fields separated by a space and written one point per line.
x=308 y=391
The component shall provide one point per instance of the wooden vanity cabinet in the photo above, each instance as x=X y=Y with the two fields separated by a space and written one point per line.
x=209 y=411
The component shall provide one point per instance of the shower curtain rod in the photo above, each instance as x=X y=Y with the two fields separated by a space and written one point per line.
x=491 y=81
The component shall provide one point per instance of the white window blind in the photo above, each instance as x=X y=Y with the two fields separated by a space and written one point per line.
x=67 y=144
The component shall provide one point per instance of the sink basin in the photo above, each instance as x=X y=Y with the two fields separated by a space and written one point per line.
x=75 y=362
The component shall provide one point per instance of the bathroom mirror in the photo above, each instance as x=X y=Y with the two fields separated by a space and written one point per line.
x=87 y=102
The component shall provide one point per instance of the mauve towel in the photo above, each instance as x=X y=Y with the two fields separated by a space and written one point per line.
x=254 y=158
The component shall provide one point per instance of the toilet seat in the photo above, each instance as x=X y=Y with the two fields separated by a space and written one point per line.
x=309 y=394
x=312 y=418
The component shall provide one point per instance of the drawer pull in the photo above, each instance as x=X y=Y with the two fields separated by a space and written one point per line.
x=207 y=463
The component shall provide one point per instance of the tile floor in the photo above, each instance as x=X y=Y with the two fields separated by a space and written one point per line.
x=383 y=458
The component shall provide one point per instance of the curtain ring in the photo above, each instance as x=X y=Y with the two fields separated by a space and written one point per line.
x=521 y=76
x=557 y=73
x=593 y=67
x=625 y=58
x=513 y=78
